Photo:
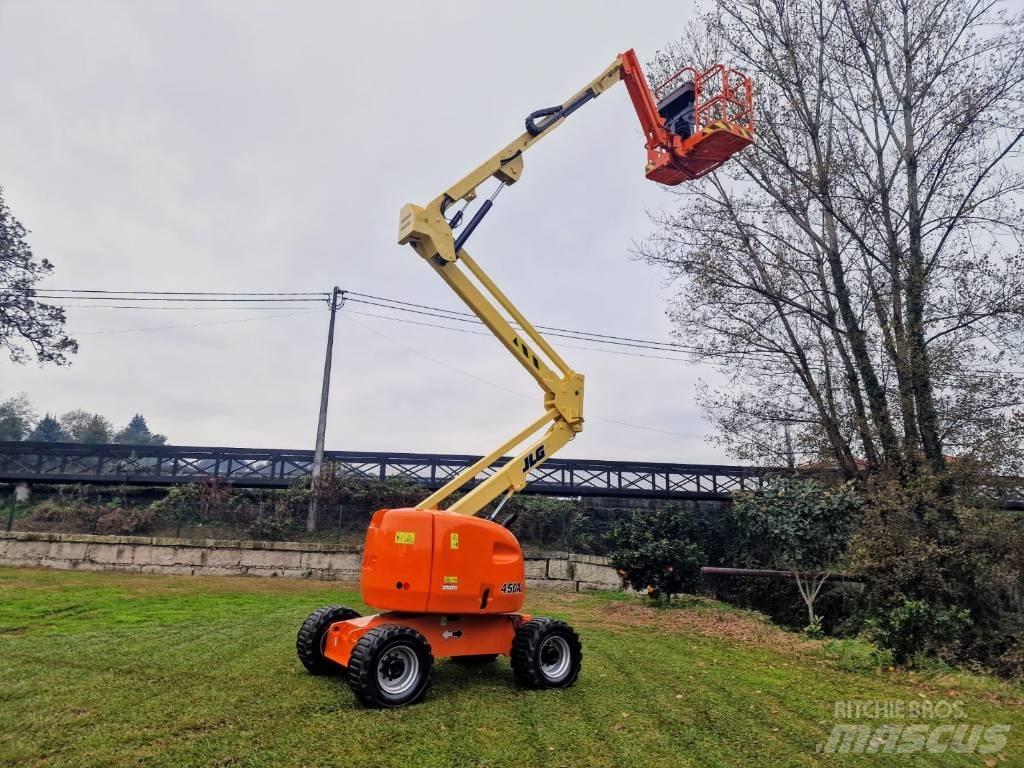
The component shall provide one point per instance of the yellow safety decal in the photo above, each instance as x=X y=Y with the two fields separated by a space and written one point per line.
x=451 y=579
x=405 y=537
x=454 y=541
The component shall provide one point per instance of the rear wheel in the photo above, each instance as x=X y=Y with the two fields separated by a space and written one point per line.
x=312 y=639
x=546 y=654
x=390 y=666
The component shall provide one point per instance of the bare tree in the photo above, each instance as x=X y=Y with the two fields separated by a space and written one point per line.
x=859 y=272
x=28 y=327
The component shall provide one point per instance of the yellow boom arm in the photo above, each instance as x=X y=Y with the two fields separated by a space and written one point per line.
x=672 y=158
x=431 y=235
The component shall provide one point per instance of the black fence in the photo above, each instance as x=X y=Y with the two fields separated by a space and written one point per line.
x=254 y=468
x=214 y=510
x=233 y=493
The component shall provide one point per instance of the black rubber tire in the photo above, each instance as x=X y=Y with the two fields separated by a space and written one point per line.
x=527 y=665
x=367 y=655
x=475 y=661
x=310 y=643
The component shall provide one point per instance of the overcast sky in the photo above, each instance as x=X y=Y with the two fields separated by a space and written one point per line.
x=237 y=146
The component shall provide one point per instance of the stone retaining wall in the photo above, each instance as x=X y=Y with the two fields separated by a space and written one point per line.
x=216 y=557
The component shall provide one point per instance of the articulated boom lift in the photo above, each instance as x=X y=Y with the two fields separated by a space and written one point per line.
x=453 y=584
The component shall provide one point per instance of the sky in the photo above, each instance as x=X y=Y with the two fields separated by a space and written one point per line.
x=258 y=146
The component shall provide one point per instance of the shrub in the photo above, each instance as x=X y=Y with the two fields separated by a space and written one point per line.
x=274 y=521
x=78 y=516
x=656 y=552
x=815 y=630
x=915 y=628
x=338 y=485
x=123 y=521
x=918 y=545
x=75 y=516
x=201 y=502
x=48 y=511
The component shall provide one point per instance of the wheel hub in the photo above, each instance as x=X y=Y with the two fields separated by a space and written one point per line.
x=398 y=670
x=392 y=666
x=555 y=658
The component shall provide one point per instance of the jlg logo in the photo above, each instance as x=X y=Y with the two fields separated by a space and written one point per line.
x=533 y=459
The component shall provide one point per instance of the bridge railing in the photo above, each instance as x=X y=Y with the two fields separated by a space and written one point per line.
x=161 y=465
x=245 y=467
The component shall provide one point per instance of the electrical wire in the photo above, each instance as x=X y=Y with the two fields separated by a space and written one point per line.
x=502 y=387
x=186 y=293
x=761 y=356
x=656 y=346
x=173 y=300
x=197 y=325
x=246 y=307
x=765 y=370
x=551 y=330
x=490 y=336
x=205 y=299
x=370 y=300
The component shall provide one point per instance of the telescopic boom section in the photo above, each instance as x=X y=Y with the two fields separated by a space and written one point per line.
x=700 y=122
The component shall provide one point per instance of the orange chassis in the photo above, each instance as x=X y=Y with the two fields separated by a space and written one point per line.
x=457 y=580
x=472 y=635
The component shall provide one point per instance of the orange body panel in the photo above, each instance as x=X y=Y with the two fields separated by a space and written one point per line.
x=467 y=635
x=457 y=580
x=418 y=561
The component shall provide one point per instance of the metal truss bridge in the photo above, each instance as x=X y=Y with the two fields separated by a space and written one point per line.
x=51 y=463
x=161 y=465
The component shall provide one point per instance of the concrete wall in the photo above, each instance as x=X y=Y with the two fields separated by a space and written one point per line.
x=215 y=557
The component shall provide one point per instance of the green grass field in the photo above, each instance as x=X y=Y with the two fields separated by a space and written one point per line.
x=131 y=670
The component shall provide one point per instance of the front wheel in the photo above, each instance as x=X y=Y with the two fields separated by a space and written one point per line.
x=546 y=654
x=312 y=639
x=390 y=666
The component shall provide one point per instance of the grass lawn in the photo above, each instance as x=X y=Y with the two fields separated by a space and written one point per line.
x=125 y=670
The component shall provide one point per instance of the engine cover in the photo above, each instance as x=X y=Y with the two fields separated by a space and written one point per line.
x=430 y=561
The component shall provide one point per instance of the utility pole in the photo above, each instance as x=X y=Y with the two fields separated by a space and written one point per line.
x=337 y=299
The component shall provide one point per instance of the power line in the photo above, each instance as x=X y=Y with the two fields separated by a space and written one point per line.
x=489 y=336
x=659 y=346
x=207 y=299
x=597 y=338
x=371 y=300
x=761 y=356
x=738 y=356
x=172 y=300
x=496 y=385
x=552 y=330
x=246 y=307
x=366 y=314
x=197 y=325
x=762 y=368
x=187 y=293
